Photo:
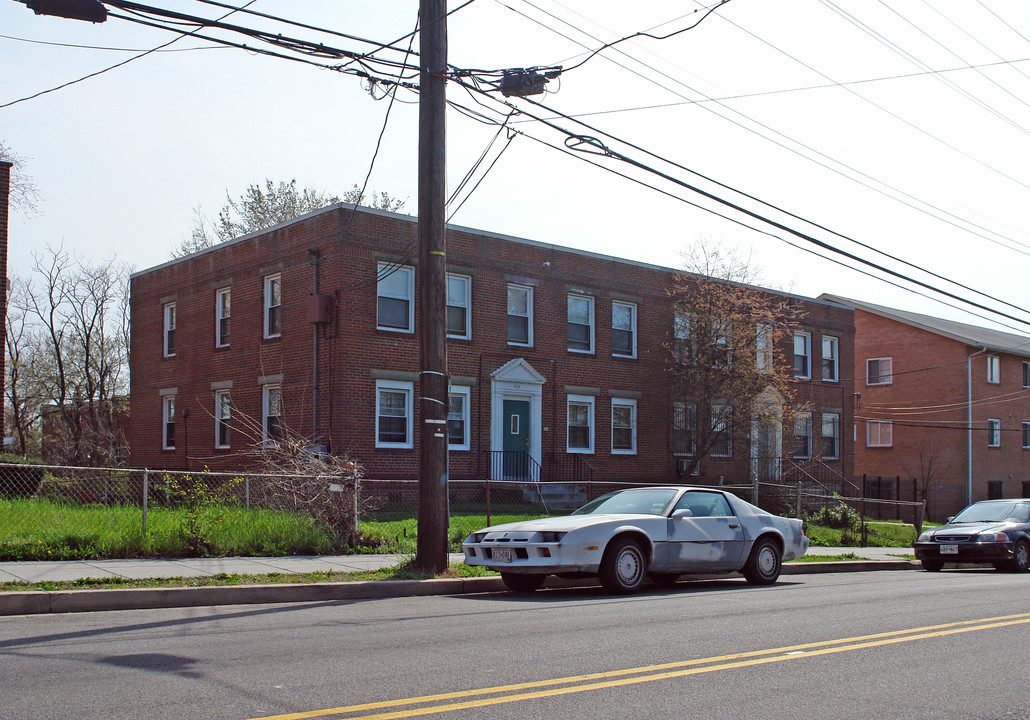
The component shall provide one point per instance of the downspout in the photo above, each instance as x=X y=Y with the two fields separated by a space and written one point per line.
x=313 y=252
x=969 y=423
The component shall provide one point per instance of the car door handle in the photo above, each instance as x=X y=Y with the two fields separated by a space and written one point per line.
x=734 y=526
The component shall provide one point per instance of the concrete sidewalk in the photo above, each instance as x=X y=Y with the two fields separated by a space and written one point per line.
x=41 y=601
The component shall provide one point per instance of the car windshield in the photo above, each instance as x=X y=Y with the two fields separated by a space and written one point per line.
x=649 y=501
x=994 y=512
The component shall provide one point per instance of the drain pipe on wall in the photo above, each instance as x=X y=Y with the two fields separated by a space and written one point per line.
x=313 y=252
x=969 y=423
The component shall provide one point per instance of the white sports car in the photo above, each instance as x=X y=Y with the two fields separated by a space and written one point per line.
x=628 y=535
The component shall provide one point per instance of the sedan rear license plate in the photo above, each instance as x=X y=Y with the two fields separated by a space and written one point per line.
x=503 y=554
x=949 y=549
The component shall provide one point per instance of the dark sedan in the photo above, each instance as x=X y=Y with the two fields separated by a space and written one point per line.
x=989 y=531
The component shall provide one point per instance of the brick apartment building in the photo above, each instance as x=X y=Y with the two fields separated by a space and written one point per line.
x=943 y=402
x=555 y=355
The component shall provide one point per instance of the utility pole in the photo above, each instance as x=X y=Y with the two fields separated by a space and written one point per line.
x=431 y=552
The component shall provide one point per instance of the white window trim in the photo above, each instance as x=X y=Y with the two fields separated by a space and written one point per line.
x=410 y=272
x=889 y=376
x=806 y=418
x=167 y=400
x=580 y=400
x=689 y=409
x=220 y=294
x=835 y=344
x=529 y=314
x=993 y=369
x=834 y=419
x=219 y=419
x=1026 y=434
x=409 y=391
x=632 y=405
x=764 y=347
x=1026 y=374
x=269 y=279
x=632 y=329
x=265 y=393
x=468 y=306
x=808 y=352
x=466 y=392
x=993 y=432
x=889 y=424
x=592 y=322
x=169 y=323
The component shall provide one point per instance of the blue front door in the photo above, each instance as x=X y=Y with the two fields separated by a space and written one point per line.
x=516 y=438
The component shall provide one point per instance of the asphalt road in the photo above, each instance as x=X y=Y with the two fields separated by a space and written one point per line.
x=869 y=646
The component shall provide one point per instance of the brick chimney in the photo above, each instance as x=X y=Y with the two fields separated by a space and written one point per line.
x=5 y=197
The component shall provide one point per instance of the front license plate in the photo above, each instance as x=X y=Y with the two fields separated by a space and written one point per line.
x=502 y=554
x=949 y=549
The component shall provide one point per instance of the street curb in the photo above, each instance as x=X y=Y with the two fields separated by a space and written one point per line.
x=41 y=602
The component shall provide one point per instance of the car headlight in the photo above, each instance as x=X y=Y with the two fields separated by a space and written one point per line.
x=992 y=537
x=475 y=538
x=550 y=536
x=925 y=537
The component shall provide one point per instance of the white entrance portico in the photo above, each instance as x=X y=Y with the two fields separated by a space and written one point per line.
x=516 y=399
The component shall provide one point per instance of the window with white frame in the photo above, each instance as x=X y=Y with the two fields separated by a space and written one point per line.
x=520 y=315
x=459 y=304
x=993 y=433
x=223 y=311
x=169 y=330
x=624 y=426
x=802 y=355
x=271 y=413
x=1026 y=374
x=168 y=422
x=459 y=402
x=684 y=428
x=581 y=323
x=803 y=435
x=273 y=306
x=723 y=442
x=395 y=291
x=1026 y=434
x=764 y=345
x=223 y=412
x=394 y=414
x=993 y=369
x=683 y=342
x=878 y=371
x=722 y=338
x=878 y=433
x=830 y=364
x=624 y=329
x=831 y=436
x=580 y=422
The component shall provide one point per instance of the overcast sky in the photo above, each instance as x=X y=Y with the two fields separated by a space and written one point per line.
x=902 y=125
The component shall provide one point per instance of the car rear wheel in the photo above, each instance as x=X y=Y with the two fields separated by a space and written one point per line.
x=1020 y=558
x=522 y=584
x=623 y=567
x=932 y=565
x=764 y=562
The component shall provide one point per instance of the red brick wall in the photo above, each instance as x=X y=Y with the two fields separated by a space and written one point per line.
x=928 y=405
x=352 y=347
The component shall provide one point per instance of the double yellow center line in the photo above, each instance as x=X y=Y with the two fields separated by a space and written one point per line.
x=483 y=697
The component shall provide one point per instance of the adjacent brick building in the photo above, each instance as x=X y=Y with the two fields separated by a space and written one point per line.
x=941 y=402
x=555 y=355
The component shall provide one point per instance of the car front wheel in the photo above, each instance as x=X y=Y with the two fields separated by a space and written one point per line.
x=623 y=567
x=1020 y=558
x=764 y=562
x=522 y=584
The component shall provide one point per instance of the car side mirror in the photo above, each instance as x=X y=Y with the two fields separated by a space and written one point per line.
x=682 y=513
x=950 y=518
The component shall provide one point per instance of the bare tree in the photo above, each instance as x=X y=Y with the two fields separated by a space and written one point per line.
x=70 y=352
x=930 y=464
x=260 y=208
x=23 y=406
x=24 y=193
x=728 y=362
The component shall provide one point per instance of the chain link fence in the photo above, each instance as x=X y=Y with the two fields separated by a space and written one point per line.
x=57 y=512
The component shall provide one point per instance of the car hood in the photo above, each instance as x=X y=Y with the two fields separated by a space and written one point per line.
x=970 y=529
x=565 y=523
